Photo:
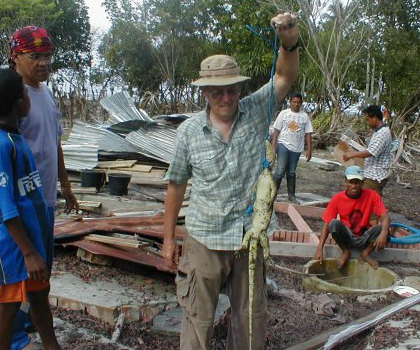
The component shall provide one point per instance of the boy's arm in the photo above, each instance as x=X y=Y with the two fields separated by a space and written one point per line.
x=319 y=254
x=382 y=239
x=35 y=265
x=308 y=138
x=274 y=138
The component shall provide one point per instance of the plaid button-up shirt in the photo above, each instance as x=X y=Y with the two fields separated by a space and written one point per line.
x=223 y=173
x=380 y=145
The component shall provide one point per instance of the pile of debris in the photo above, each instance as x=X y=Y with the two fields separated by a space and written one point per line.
x=125 y=227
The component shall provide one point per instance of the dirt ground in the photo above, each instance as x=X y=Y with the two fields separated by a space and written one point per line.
x=289 y=321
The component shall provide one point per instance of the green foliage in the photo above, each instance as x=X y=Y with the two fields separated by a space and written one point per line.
x=71 y=34
x=322 y=121
x=397 y=50
x=128 y=52
x=66 y=20
x=15 y=14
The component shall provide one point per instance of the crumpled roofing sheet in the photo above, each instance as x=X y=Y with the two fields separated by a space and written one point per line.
x=81 y=156
x=97 y=134
x=157 y=141
x=121 y=108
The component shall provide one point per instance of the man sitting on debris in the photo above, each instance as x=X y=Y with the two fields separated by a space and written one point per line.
x=23 y=223
x=220 y=149
x=378 y=154
x=353 y=229
x=291 y=129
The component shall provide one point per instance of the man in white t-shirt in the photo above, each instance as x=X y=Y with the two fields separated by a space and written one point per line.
x=291 y=128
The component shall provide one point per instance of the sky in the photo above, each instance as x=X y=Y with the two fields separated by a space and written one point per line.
x=97 y=14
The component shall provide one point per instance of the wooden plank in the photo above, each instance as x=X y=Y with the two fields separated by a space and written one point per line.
x=297 y=219
x=304 y=250
x=306 y=211
x=140 y=168
x=83 y=190
x=113 y=164
x=123 y=242
x=301 y=224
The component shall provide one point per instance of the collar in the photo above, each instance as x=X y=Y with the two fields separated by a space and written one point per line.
x=380 y=127
x=9 y=129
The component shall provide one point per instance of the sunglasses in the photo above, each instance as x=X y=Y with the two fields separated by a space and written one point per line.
x=217 y=94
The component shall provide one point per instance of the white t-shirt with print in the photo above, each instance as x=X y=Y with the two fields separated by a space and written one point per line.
x=293 y=127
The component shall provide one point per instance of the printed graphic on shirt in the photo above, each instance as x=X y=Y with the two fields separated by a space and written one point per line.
x=293 y=126
x=355 y=220
x=4 y=179
x=29 y=183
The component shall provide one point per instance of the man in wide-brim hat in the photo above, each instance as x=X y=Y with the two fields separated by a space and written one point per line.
x=220 y=149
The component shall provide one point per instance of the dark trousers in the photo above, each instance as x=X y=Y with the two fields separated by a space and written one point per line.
x=346 y=239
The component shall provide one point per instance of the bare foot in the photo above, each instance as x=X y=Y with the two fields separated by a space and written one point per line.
x=343 y=259
x=370 y=261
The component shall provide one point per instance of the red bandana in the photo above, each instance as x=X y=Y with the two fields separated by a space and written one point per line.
x=31 y=39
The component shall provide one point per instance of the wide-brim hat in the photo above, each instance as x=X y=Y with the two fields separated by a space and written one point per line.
x=219 y=70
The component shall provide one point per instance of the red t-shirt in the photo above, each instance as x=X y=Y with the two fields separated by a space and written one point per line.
x=355 y=212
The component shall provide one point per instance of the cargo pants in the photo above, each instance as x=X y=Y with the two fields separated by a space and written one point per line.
x=201 y=274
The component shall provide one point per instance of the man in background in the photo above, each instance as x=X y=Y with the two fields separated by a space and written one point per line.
x=378 y=154
x=291 y=129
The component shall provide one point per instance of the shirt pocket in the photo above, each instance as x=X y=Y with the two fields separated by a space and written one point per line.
x=208 y=165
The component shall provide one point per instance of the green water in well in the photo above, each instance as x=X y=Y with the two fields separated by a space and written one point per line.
x=356 y=277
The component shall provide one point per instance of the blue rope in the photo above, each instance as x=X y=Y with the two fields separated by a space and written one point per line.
x=264 y=162
x=413 y=238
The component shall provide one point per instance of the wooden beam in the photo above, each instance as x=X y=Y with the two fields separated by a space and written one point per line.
x=113 y=164
x=301 y=224
x=123 y=242
x=307 y=250
x=298 y=220
x=306 y=211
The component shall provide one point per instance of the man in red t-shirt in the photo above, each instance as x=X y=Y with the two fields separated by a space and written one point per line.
x=352 y=228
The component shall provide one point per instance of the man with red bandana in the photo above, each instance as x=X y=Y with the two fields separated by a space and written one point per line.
x=31 y=56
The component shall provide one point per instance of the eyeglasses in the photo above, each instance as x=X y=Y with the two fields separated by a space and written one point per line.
x=217 y=94
x=39 y=56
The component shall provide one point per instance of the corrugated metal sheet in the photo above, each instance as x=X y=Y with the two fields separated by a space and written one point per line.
x=81 y=156
x=97 y=134
x=156 y=140
x=121 y=108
